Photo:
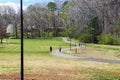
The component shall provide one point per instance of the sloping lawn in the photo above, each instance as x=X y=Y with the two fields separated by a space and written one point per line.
x=40 y=65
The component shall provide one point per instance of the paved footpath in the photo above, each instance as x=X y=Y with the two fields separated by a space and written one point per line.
x=61 y=54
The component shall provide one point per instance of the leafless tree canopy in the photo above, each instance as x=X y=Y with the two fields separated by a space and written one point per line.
x=41 y=21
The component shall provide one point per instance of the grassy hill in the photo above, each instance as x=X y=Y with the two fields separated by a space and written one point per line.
x=40 y=65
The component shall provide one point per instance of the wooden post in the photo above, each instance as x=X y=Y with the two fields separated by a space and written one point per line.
x=76 y=50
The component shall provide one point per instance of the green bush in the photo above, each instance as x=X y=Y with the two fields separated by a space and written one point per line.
x=64 y=33
x=85 y=38
x=109 y=39
x=48 y=34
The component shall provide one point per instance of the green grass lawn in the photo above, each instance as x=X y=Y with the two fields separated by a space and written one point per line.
x=40 y=46
x=40 y=65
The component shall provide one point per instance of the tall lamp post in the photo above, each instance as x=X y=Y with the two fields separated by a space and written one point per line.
x=22 y=49
x=70 y=39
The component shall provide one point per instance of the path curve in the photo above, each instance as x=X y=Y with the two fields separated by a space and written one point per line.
x=61 y=54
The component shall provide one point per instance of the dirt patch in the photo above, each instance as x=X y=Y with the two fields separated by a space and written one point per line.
x=60 y=74
x=51 y=74
x=15 y=76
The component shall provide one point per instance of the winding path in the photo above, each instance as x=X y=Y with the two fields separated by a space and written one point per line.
x=60 y=54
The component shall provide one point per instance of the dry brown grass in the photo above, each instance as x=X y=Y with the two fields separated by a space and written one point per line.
x=94 y=53
x=39 y=65
x=53 y=68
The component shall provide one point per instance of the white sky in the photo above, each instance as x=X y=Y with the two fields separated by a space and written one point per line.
x=16 y=3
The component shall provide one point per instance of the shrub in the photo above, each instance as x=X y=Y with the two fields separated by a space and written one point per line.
x=48 y=34
x=85 y=38
x=109 y=39
x=64 y=33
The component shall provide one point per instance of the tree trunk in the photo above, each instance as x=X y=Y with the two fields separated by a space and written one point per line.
x=16 y=33
x=1 y=40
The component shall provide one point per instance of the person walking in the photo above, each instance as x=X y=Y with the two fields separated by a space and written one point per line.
x=60 y=49
x=79 y=44
x=50 y=48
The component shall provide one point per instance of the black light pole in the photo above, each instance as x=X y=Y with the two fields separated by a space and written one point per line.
x=70 y=39
x=22 y=51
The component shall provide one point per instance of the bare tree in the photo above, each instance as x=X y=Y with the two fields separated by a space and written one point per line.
x=80 y=12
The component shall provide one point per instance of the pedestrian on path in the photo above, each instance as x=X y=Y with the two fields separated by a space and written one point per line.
x=60 y=49
x=50 y=48
x=79 y=44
